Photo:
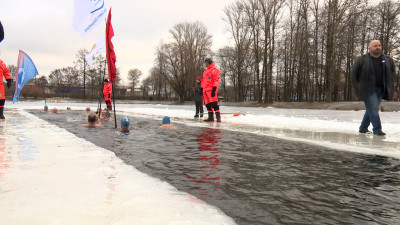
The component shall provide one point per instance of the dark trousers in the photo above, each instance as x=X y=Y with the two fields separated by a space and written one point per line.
x=212 y=106
x=199 y=107
x=371 y=115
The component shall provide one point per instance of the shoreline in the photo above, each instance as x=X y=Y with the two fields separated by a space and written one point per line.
x=386 y=106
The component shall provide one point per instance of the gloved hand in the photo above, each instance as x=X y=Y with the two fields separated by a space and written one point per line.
x=213 y=91
x=9 y=82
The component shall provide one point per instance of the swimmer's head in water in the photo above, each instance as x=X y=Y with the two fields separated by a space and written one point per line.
x=125 y=121
x=92 y=118
x=46 y=108
x=68 y=108
x=87 y=109
x=55 y=110
x=166 y=120
x=107 y=114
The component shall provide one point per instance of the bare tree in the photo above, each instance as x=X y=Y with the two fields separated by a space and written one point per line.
x=241 y=33
x=133 y=77
x=181 y=60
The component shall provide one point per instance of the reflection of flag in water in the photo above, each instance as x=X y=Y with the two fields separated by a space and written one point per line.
x=26 y=71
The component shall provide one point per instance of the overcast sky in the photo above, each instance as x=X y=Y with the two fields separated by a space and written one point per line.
x=43 y=29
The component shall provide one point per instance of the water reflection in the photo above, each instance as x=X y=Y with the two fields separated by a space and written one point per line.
x=3 y=159
x=209 y=157
x=28 y=149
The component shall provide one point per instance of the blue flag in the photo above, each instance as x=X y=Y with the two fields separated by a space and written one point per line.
x=26 y=71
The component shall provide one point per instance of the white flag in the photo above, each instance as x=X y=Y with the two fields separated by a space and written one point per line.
x=87 y=13
x=98 y=47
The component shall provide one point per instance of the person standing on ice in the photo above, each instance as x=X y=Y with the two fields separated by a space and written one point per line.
x=210 y=85
x=107 y=91
x=373 y=77
x=198 y=98
x=4 y=73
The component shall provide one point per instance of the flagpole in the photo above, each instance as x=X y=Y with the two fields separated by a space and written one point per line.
x=84 y=77
x=113 y=95
x=44 y=95
x=101 y=86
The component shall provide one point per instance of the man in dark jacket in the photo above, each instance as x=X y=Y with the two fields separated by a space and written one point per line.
x=373 y=77
x=198 y=98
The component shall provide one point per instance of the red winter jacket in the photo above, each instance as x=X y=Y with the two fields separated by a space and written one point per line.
x=210 y=79
x=107 y=91
x=4 y=73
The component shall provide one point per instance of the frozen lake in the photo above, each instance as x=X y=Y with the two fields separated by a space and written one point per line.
x=266 y=166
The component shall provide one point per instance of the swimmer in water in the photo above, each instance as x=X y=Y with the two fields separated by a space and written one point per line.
x=105 y=115
x=92 y=119
x=125 y=124
x=55 y=110
x=87 y=109
x=46 y=108
x=167 y=123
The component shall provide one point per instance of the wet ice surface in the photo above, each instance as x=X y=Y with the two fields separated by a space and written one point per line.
x=256 y=179
x=50 y=176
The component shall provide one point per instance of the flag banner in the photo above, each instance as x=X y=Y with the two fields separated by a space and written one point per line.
x=26 y=70
x=1 y=32
x=98 y=47
x=110 y=53
x=87 y=13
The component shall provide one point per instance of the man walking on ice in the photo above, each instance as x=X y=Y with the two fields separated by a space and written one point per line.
x=373 y=77
x=210 y=85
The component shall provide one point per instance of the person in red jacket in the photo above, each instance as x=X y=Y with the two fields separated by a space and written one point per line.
x=210 y=83
x=107 y=91
x=4 y=72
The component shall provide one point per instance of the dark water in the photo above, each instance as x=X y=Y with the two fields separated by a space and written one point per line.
x=255 y=179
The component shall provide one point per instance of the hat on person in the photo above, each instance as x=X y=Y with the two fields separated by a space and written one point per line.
x=108 y=114
x=199 y=78
x=45 y=107
x=208 y=60
x=125 y=121
x=166 y=120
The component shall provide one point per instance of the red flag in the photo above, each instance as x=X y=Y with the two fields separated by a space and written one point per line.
x=110 y=54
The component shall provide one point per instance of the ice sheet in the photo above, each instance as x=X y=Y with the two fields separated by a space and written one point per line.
x=50 y=176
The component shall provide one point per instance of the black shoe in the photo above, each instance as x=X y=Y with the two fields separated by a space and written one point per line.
x=1 y=113
x=196 y=116
x=218 y=116
x=201 y=116
x=379 y=133
x=210 y=117
x=366 y=131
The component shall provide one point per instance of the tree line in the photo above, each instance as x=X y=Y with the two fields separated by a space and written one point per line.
x=278 y=50
x=282 y=50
